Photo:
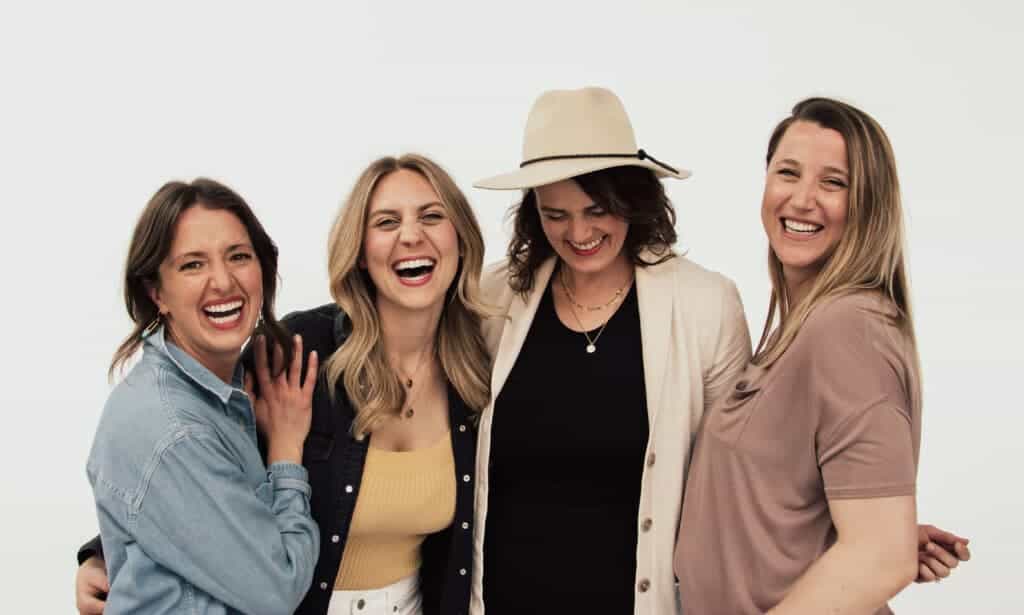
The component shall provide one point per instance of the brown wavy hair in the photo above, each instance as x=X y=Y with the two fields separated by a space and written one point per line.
x=634 y=194
x=151 y=242
x=360 y=364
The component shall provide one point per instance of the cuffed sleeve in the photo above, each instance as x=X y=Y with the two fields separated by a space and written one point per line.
x=866 y=441
x=254 y=551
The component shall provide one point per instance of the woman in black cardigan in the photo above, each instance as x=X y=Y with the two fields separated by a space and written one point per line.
x=407 y=369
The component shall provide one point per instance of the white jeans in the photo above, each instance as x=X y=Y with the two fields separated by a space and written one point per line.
x=399 y=598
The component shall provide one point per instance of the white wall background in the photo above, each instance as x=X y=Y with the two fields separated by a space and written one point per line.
x=103 y=102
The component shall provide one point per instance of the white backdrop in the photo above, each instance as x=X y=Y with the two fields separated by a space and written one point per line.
x=101 y=103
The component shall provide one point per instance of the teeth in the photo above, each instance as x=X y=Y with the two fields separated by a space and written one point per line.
x=586 y=246
x=800 y=227
x=412 y=264
x=225 y=319
x=223 y=307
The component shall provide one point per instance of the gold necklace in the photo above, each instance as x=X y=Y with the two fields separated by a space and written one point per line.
x=589 y=308
x=408 y=382
x=591 y=343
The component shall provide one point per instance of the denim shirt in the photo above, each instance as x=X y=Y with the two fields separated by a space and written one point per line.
x=191 y=519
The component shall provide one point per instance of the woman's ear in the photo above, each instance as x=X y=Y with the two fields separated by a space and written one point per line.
x=153 y=290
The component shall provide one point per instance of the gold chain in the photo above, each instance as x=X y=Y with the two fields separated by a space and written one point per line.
x=589 y=308
x=408 y=382
x=591 y=343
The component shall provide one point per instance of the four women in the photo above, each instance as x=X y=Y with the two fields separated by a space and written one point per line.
x=607 y=349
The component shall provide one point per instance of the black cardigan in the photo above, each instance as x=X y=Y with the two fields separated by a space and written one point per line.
x=335 y=461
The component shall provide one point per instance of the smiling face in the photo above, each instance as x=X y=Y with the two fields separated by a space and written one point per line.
x=210 y=287
x=410 y=247
x=805 y=202
x=583 y=233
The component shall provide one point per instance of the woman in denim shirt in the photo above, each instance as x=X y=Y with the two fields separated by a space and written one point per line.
x=191 y=519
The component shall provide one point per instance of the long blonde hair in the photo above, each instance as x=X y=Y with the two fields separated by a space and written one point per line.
x=870 y=253
x=360 y=364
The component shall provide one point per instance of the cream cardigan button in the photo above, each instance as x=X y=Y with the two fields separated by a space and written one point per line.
x=650 y=460
x=646 y=525
x=643 y=585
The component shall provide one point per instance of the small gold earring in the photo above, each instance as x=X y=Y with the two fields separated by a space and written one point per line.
x=153 y=325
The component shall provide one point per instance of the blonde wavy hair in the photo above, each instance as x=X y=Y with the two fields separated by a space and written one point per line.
x=870 y=253
x=360 y=364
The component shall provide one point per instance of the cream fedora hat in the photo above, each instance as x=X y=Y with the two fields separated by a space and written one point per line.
x=572 y=132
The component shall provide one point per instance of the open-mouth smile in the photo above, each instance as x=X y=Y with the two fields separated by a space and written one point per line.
x=799 y=228
x=224 y=314
x=414 y=271
x=588 y=248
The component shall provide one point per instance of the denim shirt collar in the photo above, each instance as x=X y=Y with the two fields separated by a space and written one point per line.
x=193 y=369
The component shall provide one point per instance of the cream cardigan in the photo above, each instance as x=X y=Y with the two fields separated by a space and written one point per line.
x=695 y=342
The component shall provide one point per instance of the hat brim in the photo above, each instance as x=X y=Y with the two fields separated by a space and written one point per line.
x=551 y=171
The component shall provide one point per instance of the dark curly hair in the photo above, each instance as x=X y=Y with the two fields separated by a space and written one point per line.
x=634 y=194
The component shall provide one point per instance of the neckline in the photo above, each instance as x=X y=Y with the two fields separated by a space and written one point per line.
x=429 y=447
x=550 y=299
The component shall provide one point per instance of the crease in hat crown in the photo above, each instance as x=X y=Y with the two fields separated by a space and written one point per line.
x=573 y=132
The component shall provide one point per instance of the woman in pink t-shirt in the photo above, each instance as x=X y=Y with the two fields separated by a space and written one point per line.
x=800 y=496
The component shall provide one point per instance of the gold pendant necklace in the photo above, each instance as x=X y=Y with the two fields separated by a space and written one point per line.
x=591 y=342
x=408 y=382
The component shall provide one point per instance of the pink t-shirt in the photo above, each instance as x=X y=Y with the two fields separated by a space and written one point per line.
x=835 y=417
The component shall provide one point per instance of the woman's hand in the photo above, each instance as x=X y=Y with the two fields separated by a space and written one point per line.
x=91 y=586
x=938 y=553
x=284 y=409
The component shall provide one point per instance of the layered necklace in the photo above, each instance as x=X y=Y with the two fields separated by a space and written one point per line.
x=410 y=381
x=576 y=305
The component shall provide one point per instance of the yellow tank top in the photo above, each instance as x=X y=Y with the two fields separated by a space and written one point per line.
x=403 y=497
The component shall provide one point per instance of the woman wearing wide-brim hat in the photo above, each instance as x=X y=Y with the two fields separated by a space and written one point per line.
x=609 y=350
x=611 y=346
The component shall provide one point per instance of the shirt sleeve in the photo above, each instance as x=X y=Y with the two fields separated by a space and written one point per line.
x=253 y=550
x=871 y=455
x=865 y=437
x=732 y=351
